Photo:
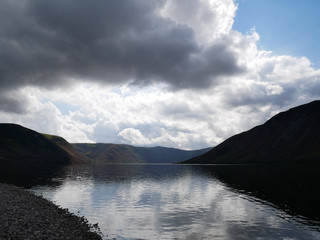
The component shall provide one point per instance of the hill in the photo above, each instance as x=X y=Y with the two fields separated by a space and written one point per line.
x=22 y=145
x=121 y=153
x=74 y=155
x=288 y=137
x=168 y=155
x=108 y=153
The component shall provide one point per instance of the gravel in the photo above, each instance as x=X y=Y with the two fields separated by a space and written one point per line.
x=26 y=216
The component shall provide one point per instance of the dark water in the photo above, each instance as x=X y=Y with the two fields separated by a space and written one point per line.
x=183 y=201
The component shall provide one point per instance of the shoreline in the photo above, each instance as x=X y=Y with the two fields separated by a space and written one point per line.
x=24 y=215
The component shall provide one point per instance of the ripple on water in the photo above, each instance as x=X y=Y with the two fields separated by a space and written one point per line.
x=175 y=202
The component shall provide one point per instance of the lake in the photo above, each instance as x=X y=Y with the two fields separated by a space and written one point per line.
x=184 y=201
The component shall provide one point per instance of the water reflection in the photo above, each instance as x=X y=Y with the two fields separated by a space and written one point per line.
x=292 y=188
x=180 y=202
x=29 y=175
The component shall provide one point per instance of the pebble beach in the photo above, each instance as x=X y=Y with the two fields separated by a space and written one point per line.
x=26 y=216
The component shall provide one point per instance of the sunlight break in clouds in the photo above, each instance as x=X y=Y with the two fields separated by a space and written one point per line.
x=156 y=72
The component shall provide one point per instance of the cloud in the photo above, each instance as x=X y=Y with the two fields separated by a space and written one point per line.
x=11 y=103
x=208 y=19
x=133 y=135
x=165 y=137
x=48 y=43
x=43 y=116
x=279 y=80
x=141 y=72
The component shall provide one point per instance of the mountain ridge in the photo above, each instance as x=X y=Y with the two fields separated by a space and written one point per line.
x=292 y=136
x=19 y=144
x=123 y=153
x=23 y=145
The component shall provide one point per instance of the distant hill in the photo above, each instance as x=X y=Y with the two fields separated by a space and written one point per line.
x=121 y=153
x=74 y=155
x=108 y=153
x=168 y=155
x=288 y=137
x=22 y=145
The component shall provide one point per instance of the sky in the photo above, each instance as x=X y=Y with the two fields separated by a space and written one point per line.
x=285 y=27
x=185 y=74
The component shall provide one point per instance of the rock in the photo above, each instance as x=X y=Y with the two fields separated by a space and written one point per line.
x=24 y=215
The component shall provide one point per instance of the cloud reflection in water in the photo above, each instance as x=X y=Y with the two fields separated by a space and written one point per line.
x=169 y=202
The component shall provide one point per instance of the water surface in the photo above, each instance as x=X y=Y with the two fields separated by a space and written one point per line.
x=190 y=202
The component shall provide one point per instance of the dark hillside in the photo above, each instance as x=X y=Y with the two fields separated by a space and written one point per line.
x=22 y=145
x=292 y=136
x=74 y=155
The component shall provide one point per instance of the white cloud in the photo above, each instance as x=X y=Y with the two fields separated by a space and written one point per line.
x=208 y=19
x=134 y=136
x=274 y=89
x=188 y=117
x=43 y=116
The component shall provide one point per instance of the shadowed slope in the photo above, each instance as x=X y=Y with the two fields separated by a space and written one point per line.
x=22 y=145
x=74 y=155
x=292 y=136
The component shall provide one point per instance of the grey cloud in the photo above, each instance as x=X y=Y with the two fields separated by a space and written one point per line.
x=44 y=43
x=311 y=86
x=12 y=104
x=257 y=96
